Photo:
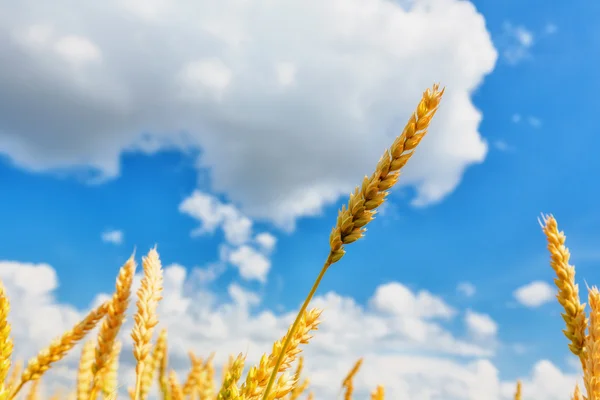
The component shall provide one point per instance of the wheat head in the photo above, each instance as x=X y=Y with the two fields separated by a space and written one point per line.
x=229 y=388
x=378 y=393
x=363 y=202
x=6 y=343
x=84 y=372
x=112 y=323
x=568 y=290
x=348 y=381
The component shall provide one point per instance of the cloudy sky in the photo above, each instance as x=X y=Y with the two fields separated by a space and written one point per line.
x=229 y=133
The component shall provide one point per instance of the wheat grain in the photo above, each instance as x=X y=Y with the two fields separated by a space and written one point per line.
x=577 y=394
x=194 y=376
x=351 y=221
x=146 y=317
x=112 y=324
x=568 y=290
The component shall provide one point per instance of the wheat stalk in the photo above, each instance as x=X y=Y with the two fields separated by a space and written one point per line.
x=146 y=317
x=112 y=324
x=351 y=221
x=568 y=290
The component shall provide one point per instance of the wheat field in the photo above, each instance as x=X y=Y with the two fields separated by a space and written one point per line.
x=278 y=374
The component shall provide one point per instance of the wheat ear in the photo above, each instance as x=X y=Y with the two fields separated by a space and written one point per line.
x=6 y=343
x=146 y=317
x=34 y=391
x=348 y=383
x=577 y=394
x=14 y=375
x=591 y=373
x=351 y=221
x=163 y=381
x=109 y=379
x=568 y=290
x=257 y=377
x=518 y=391
x=155 y=360
x=175 y=387
x=301 y=387
x=194 y=375
x=112 y=324
x=229 y=388
x=207 y=390
x=84 y=372
x=378 y=393
x=38 y=365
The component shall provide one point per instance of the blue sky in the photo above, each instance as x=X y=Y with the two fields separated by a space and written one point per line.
x=538 y=106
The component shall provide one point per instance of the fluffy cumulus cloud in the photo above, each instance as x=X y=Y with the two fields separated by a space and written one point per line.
x=451 y=367
x=534 y=294
x=279 y=97
x=480 y=324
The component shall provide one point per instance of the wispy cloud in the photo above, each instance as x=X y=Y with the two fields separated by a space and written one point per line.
x=532 y=121
x=113 y=236
x=516 y=41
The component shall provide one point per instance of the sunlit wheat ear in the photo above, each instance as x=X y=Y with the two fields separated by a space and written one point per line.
x=207 y=389
x=577 y=394
x=14 y=375
x=112 y=323
x=363 y=202
x=591 y=373
x=163 y=381
x=518 y=391
x=59 y=348
x=258 y=376
x=34 y=391
x=378 y=393
x=229 y=388
x=348 y=383
x=155 y=359
x=568 y=290
x=6 y=343
x=84 y=372
x=299 y=388
x=146 y=318
x=175 y=387
x=109 y=379
x=194 y=375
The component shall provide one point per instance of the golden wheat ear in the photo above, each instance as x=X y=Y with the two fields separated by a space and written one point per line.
x=146 y=318
x=378 y=393
x=299 y=388
x=6 y=343
x=518 y=391
x=568 y=291
x=353 y=218
x=59 y=348
x=112 y=323
x=258 y=376
x=229 y=388
x=348 y=382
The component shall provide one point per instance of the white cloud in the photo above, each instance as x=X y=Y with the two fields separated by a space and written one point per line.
x=480 y=324
x=501 y=145
x=550 y=28
x=534 y=122
x=534 y=294
x=266 y=241
x=213 y=214
x=466 y=289
x=113 y=236
x=396 y=299
x=269 y=112
x=516 y=43
x=453 y=369
x=250 y=263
